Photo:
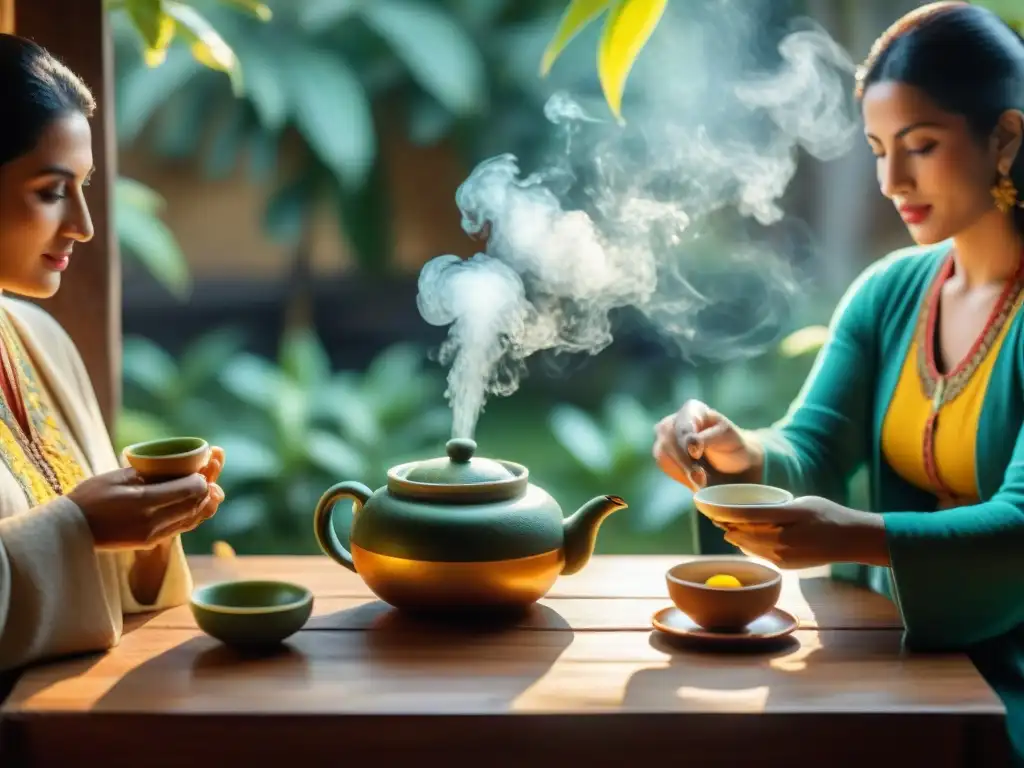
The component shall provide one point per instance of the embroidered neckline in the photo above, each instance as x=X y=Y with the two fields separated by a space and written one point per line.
x=41 y=459
x=942 y=388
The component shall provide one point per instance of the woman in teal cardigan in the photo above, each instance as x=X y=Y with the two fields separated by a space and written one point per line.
x=922 y=379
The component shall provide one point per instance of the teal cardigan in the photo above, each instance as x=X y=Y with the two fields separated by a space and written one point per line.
x=956 y=575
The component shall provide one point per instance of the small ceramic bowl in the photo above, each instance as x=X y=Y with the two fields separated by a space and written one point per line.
x=251 y=613
x=739 y=502
x=168 y=458
x=724 y=608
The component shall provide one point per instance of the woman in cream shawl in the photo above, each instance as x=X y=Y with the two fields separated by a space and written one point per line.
x=82 y=540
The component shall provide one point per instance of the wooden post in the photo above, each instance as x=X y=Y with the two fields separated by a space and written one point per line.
x=6 y=16
x=88 y=303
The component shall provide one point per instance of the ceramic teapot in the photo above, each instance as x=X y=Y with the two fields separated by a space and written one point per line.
x=460 y=532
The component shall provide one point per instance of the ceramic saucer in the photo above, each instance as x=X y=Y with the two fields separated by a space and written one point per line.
x=774 y=625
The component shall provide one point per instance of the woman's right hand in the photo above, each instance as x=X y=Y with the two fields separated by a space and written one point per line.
x=697 y=440
x=125 y=512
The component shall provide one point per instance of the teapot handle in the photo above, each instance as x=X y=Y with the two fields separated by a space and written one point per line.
x=324 y=516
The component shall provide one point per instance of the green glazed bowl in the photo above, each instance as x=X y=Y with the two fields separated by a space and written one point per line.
x=251 y=613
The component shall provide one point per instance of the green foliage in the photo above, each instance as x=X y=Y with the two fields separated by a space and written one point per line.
x=1010 y=10
x=159 y=23
x=290 y=428
x=338 y=75
x=144 y=236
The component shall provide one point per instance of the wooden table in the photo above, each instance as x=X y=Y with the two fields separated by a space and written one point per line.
x=583 y=678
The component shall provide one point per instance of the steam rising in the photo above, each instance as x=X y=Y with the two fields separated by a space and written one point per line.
x=624 y=218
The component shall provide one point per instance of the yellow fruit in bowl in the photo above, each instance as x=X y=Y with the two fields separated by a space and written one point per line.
x=723 y=580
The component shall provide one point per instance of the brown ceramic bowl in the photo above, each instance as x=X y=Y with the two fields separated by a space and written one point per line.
x=168 y=458
x=724 y=608
x=738 y=503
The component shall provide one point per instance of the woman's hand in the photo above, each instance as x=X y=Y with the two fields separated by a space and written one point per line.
x=697 y=441
x=124 y=511
x=811 y=531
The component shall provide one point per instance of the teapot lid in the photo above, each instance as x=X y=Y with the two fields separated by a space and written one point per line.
x=459 y=476
x=459 y=468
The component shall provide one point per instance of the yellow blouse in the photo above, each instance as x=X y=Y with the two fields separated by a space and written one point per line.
x=930 y=428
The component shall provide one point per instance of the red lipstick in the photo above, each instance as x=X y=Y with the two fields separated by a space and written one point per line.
x=915 y=214
x=58 y=262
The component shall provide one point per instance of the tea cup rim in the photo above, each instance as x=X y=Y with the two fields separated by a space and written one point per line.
x=703 y=494
x=132 y=450
x=671 y=576
x=197 y=598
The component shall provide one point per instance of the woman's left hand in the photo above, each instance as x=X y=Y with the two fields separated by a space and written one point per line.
x=811 y=531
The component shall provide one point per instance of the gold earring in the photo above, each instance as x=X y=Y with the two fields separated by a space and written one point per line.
x=1005 y=195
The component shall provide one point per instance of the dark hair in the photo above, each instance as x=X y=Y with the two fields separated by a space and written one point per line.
x=965 y=58
x=35 y=90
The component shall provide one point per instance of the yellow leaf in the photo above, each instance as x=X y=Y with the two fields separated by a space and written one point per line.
x=804 y=341
x=577 y=15
x=222 y=549
x=208 y=47
x=628 y=28
x=155 y=54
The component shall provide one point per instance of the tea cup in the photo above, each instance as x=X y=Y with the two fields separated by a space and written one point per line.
x=726 y=609
x=168 y=458
x=251 y=613
x=738 y=503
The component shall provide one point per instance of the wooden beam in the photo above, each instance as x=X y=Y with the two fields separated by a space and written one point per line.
x=6 y=16
x=88 y=303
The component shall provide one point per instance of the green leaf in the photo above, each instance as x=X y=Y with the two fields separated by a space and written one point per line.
x=253 y=380
x=627 y=29
x=177 y=125
x=135 y=194
x=304 y=358
x=334 y=456
x=1009 y=10
x=578 y=14
x=333 y=113
x=240 y=515
x=154 y=26
x=207 y=46
x=246 y=460
x=581 y=436
x=316 y=15
x=142 y=91
x=146 y=237
x=632 y=426
x=390 y=383
x=441 y=57
x=149 y=367
x=203 y=360
x=254 y=7
x=138 y=426
x=291 y=419
x=344 y=405
x=265 y=86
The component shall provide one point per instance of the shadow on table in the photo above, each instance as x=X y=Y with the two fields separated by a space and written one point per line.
x=415 y=663
x=702 y=677
x=63 y=668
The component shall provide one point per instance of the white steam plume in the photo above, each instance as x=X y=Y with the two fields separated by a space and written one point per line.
x=617 y=220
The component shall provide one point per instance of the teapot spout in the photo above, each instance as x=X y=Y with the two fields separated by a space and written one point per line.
x=580 y=530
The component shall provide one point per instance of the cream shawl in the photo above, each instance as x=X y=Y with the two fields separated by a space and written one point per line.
x=58 y=595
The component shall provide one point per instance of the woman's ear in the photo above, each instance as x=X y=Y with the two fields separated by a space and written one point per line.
x=1007 y=139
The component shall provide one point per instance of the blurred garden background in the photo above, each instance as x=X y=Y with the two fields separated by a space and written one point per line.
x=273 y=225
